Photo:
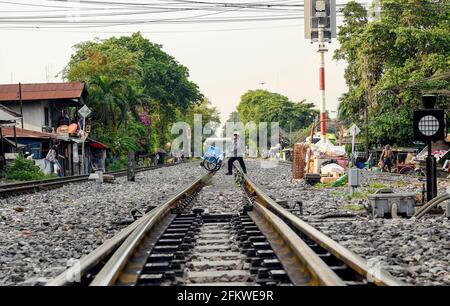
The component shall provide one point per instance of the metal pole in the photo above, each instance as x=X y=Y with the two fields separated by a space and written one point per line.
x=131 y=173
x=322 y=51
x=15 y=138
x=21 y=104
x=290 y=132
x=353 y=151
x=431 y=174
x=2 y=150
x=434 y=178
x=83 y=171
x=367 y=129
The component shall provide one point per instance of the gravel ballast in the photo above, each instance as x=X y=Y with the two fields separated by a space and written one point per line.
x=42 y=233
x=415 y=251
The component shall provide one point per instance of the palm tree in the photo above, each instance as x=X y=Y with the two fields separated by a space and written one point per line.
x=106 y=97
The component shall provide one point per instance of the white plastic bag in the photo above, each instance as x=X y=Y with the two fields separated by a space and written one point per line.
x=330 y=168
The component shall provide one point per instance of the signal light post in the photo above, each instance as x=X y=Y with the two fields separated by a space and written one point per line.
x=322 y=51
x=430 y=125
x=320 y=26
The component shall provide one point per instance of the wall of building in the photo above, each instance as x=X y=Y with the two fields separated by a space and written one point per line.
x=33 y=114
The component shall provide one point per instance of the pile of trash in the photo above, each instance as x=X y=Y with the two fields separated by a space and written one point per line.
x=325 y=149
x=332 y=168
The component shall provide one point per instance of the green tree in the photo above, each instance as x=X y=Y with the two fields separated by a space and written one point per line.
x=264 y=106
x=234 y=117
x=136 y=91
x=391 y=62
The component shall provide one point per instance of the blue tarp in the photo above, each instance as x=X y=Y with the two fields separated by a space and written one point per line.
x=213 y=155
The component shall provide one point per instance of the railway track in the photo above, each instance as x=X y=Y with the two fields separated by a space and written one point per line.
x=220 y=231
x=8 y=190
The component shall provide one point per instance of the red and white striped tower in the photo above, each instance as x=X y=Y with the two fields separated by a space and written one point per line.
x=322 y=50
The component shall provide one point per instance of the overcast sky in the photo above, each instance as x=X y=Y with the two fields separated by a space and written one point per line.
x=224 y=59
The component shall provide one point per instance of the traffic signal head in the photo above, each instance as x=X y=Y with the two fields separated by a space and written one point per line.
x=320 y=13
x=429 y=123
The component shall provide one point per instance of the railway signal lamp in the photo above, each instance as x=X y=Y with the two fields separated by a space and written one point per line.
x=430 y=125
x=320 y=26
x=320 y=14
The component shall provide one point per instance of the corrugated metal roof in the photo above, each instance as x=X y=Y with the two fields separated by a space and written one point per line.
x=96 y=144
x=7 y=115
x=12 y=143
x=23 y=133
x=42 y=91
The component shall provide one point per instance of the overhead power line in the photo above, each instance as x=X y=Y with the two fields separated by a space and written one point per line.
x=84 y=14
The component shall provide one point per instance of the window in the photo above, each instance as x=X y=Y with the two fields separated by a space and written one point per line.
x=46 y=117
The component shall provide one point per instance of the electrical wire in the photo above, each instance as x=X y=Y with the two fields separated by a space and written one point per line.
x=84 y=14
x=168 y=31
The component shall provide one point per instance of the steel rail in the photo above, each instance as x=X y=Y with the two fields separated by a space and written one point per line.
x=88 y=262
x=357 y=263
x=17 y=188
x=109 y=274
x=320 y=272
x=121 y=248
x=11 y=186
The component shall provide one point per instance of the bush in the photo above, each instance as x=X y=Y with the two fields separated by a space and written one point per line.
x=118 y=164
x=25 y=170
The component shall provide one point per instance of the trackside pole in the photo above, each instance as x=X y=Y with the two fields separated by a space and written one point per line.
x=322 y=50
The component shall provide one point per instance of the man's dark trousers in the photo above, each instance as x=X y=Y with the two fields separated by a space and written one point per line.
x=231 y=160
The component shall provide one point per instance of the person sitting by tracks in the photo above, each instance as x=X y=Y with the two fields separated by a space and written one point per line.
x=386 y=158
x=236 y=152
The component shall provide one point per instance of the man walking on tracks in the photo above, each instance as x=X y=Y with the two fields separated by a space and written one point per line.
x=386 y=158
x=236 y=152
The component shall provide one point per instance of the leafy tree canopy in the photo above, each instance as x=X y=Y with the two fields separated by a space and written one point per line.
x=391 y=62
x=264 y=106
x=136 y=91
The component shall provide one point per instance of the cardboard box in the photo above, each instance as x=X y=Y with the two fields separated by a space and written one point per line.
x=327 y=180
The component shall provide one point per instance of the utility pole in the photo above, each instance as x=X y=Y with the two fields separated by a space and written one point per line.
x=83 y=152
x=21 y=104
x=290 y=132
x=16 y=147
x=84 y=112
x=322 y=50
x=366 y=119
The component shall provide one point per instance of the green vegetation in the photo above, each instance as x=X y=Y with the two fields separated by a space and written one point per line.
x=322 y=185
x=391 y=62
x=354 y=207
x=357 y=195
x=25 y=170
x=400 y=184
x=264 y=106
x=118 y=164
x=372 y=190
x=136 y=92
x=335 y=193
x=376 y=185
x=343 y=180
